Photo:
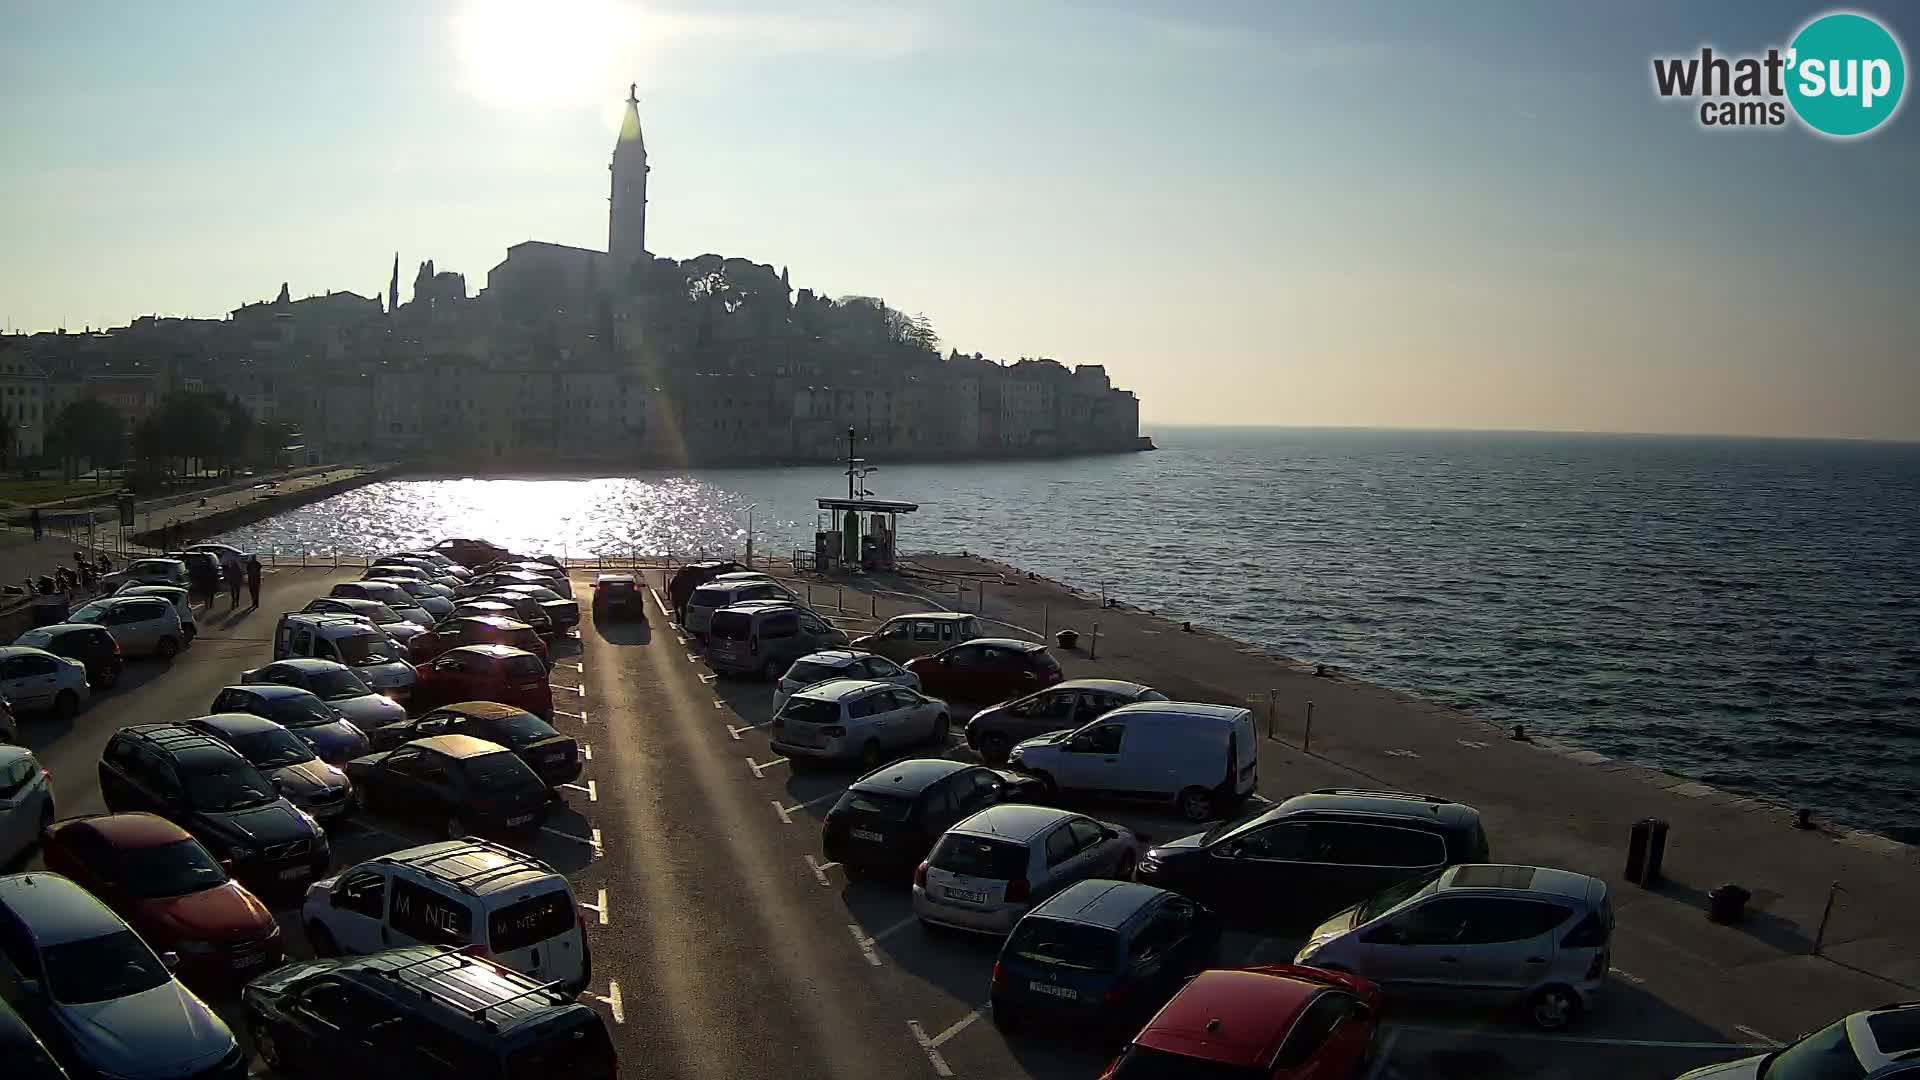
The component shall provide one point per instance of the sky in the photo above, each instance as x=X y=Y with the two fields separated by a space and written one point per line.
x=1470 y=215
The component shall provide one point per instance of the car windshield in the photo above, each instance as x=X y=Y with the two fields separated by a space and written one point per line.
x=275 y=748
x=1231 y=824
x=150 y=566
x=90 y=613
x=362 y=650
x=218 y=784
x=1826 y=1054
x=731 y=625
x=113 y=966
x=36 y=638
x=538 y=592
x=520 y=729
x=174 y=869
x=617 y=586
x=1000 y=860
x=1062 y=944
x=1143 y=1063
x=810 y=711
x=890 y=807
x=300 y=712
x=381 y=614
x=808 y=672
x=337 y=684
x=1392 y=897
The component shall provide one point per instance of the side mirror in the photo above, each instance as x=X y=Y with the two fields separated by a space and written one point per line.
x=171 y=960
x=30 y=986
x=1232 y=849
x=1109 y=834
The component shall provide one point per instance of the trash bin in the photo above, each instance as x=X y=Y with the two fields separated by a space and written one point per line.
x=1066 y=639
x=1728 y=904
x=1646 y=850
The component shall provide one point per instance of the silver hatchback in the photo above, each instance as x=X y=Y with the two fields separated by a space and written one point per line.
x=1513 y=933
x=991 y=868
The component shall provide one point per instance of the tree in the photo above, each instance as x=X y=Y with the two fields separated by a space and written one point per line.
x=186 y=425
x=88 y=430
x=238 y=432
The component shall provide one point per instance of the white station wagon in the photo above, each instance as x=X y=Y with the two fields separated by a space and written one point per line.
x=856 y=720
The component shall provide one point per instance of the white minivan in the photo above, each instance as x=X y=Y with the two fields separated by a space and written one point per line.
x=1202 y=758
x=350 y=640
x=467 y=892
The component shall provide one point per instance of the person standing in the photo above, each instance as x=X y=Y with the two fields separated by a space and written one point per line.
x=253 y=578
x=33 y=518
x=205 y=575
x=233 y=582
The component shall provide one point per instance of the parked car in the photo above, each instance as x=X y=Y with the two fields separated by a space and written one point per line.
x=172 y=891
x=206 y=787
x=111 y=1006
x=1203 y=759
x=987 y=669
x=9 y=726
x=1506 y=934
x=230 y=557
x=1101 y=954
x=993 y=731
x=348 y=640
x=923 y=633
x=555 y=757
x=555 y=577
x=35 y=680
x=478 y=630
x=718 y=594
x=565 y=613
x=496 y=608
x=26 y=1056
x=489 y=580
x=285 y=759
x=1277 y=1022
x=525 y=608
x=1875 y=1044
x=690 y=577
x=434 y=599
x=887 y=820
x=766 y=637
x=93 y=646
x=143 y=625
x=470 y=553
x=378 y=616
x=856 y=720
x=829 y=664
x=26 y=802
x=413 y=1012
x=387 y=593
x=618 y=596
x=335 y=739
x=337 y=685
x=205 y=559
x=431 y=560
x=486 y=673
x=178 y=596
x=146 y=572
x=465 y=893
x=1317 y=853
x=988 y=870
x=455 y=781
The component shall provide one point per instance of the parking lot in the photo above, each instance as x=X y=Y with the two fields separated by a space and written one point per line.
x=726 y=946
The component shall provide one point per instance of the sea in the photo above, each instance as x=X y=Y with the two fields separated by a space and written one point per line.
x=1742 y=611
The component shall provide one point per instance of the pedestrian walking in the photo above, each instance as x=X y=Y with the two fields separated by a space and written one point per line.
x=205 y=579
x=253 y=578
x=233 y=583
x=33 y=517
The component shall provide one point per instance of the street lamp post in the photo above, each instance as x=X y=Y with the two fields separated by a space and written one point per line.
x=750 y=509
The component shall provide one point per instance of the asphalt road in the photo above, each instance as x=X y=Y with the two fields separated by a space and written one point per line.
x=725 y=948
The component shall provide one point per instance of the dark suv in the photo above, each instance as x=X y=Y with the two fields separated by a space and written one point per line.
x=692 y=576
x=206 y=787
x=1317 y=853
x=426 y=1011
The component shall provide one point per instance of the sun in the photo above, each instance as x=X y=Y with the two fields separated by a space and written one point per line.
x=530 y=53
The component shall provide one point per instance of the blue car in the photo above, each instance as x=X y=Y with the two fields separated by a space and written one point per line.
x=1101 y=953
x=334 y=738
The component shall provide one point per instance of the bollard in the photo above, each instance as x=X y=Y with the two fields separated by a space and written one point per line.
x=1306 y=739
x=1093 y=645
x=1820 y=938
x=982 y=605
x=873 y=605
x=840 y=599
x=809 y=594
x=1272 y=696
x=1046 y=622
x=1727 y=904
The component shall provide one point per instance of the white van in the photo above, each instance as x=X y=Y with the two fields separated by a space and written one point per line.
x=1202 y=758
x=349 y=640
x=517 y=910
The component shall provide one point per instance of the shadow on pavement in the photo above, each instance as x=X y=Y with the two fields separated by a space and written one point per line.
x=638 y=632
x=1763 y=926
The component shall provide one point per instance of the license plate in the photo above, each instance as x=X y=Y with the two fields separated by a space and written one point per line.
x=868 y=834
x=526 y=686
x=295 y=873
x=970 y=897
x=1066 y=993
x=520 y=819
x=250 y=960
x=556 y=755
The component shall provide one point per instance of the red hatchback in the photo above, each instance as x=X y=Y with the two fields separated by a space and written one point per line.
x=172 y=891
x=1266 y=1023
x=987 y=670
x=458 y=630
x=499 y=673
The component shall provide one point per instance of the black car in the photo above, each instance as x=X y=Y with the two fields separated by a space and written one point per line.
x=555 y=757
x=1316 y=853
x=692 y=576
x=26 y=1056
x=204 y=786
x=459 y=782
x=92 y=645
x=427 y=1011
x=565 y=613
x=618 y=596
x=525 y=608
x=890 y=818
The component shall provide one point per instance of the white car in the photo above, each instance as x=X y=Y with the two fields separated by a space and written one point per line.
x=387 y=593
x=35 y=680
x=856 y=720
x=143 y=625
x=840 y=664
x=988 y=870
x=1878 y=1044
x=179 y=597
x=26 y=802
x=146 y=572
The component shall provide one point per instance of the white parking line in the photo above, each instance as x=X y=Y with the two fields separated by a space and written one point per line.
x=581 y=690
x=709 y=677
x=1589 y=1040
x=786 y=812
x=599 y=908
x=693 y=658
x=613 y=1002
x=587 y=749
x=895 y=928
x=820 y=869
x=574 y=665
x=661 y=604
x=735 y=731
x=959 y=1026
x=592 y=842
x=1383 y=1054
x=865 y=945
x=718 y=704
x=759 y=767
x=592 y=789
x=1627 y=976
x=933 y=1052
x=580 y=716
x=1760 y=1035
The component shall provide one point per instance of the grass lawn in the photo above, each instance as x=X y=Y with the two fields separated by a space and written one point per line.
x=15 y=492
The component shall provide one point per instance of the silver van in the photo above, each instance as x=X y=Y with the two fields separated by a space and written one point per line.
x=715 y=595
x=349 y=640
x=766 y=636
x=1202 y=758
x=1522 y=934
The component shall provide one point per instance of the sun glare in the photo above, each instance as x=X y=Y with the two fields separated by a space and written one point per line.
x=538 y=52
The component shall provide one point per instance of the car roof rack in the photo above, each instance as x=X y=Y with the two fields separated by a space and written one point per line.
x=164 y=734
x=1410 y=796
x=459 y=1002
x=517 y=862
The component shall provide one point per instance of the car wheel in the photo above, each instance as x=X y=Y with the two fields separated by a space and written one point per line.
x=994 y=748
x=264 y=1045
x=169 y=648
x=1048 y=789
x=322 y=940
x=108 y=678
x=771 y=670
x=941 y=727
x=1003 y=1018
x=66 y=705
x=1196 y=804
x=1552 y=1008
x=46 y=821
x=870 y=754
x=455 y=827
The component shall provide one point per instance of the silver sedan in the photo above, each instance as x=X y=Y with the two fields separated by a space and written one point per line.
x=991 y=868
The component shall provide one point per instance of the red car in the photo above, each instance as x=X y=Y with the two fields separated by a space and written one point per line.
x=1265 y=1023
x=987 y=669
x=461 y=630
x=499 y=673
x=172 y=891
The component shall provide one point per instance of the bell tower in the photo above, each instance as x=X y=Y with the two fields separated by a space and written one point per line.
x=627 y=206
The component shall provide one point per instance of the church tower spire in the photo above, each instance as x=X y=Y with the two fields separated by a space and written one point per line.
x=627 y=207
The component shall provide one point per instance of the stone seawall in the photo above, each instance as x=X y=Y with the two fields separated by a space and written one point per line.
x=195 y=524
